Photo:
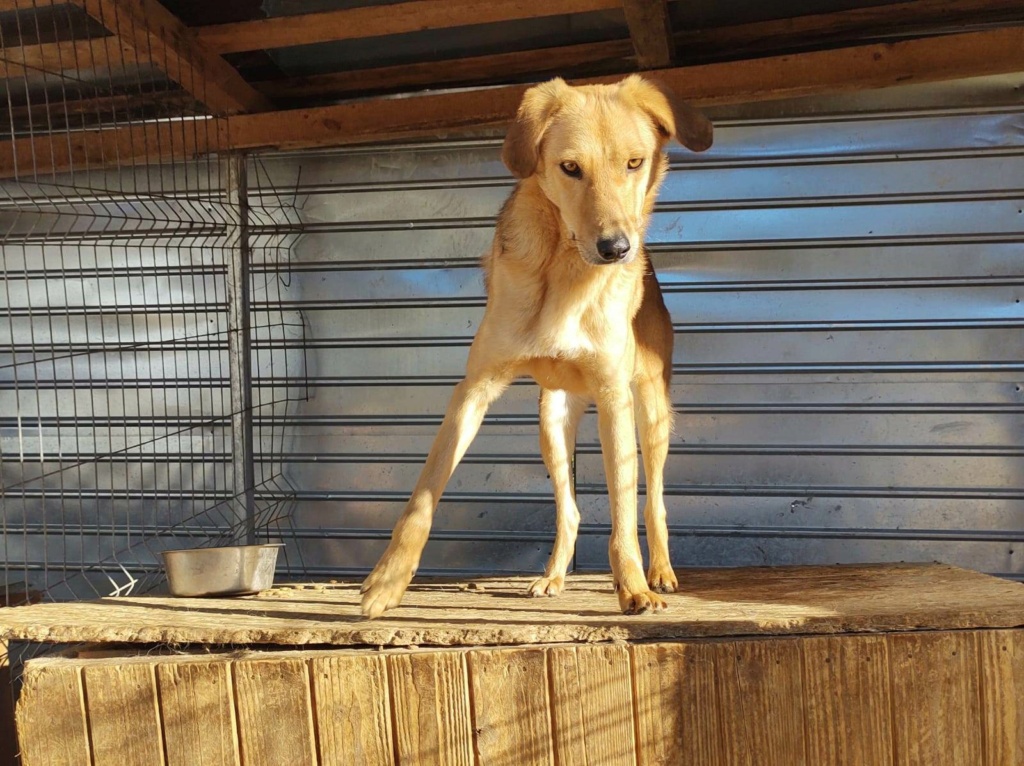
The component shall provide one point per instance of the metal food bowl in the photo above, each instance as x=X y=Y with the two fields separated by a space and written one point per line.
x=235 y=570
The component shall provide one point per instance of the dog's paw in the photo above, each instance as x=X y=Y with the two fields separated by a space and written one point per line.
x=662 y=579
x=383 y=590
x=641 y=602
x=547 y=586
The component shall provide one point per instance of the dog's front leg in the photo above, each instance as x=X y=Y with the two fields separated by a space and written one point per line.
x=618 y=447
x=386 y=584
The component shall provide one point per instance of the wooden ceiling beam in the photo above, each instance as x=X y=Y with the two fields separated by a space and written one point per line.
x=158 y=37
x=27 y=5
x=380 y=20
x=650 y=31
x=956 y=56
x=54 y=58
x=947 y=57
x=80 y=112
x=720 y=43
x=917 y=17
x=449 y=72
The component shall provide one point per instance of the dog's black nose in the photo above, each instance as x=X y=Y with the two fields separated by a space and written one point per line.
x=613 y=248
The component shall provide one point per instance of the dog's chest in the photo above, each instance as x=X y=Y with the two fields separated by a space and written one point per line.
x=568 y=328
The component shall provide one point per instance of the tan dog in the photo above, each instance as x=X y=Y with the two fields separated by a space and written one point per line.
x=573 y=302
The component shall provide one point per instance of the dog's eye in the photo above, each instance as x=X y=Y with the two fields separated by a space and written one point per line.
x=634 y=163
x=571 y=169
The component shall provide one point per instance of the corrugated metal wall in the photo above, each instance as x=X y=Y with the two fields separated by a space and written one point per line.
x=846 y=292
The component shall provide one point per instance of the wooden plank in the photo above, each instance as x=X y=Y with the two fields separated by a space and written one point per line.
x=935 y=698
x=431 y=708
x=124 y=716
x=77 y=55
x=592 y=705
x=375 y=21
x=158 y=37
x=847 y=700
x=807 y=74
x=890 y=21
x=25 y=5
x=8 y=733
x=51 y=716
x=78 y=151
x=657 y=689
x=353 y=710
x=703 y=738
x=1001 y=660
x=378 y=120
x=198 y=713
x=650 y=31
x=512 y=719
x=89 y=112
x=759 y=699
x=275 y=712
x=477 y=69
x=716 y=603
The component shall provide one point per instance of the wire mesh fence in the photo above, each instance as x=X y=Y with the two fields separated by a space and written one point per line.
x=126 y=397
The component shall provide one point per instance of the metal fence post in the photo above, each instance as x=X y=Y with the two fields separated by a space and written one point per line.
x=240 y=355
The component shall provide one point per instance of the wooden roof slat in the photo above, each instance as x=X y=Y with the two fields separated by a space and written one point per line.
x=972 y=54
x=158 y=37
x=891 y=21
x=27 y=5
x=447 y=72
x=94 y=53
x=651 y=32
x=379 y=20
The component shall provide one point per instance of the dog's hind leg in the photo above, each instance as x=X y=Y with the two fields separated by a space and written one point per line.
x=654 y=421
x=386 y=584
x=560 y=414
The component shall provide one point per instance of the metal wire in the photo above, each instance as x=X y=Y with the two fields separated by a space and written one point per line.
x=116 y=416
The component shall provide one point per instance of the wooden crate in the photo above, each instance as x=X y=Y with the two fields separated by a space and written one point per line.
x=787 y=667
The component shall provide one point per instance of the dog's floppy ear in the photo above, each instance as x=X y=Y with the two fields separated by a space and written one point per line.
x=673 y=118
x=522 y=142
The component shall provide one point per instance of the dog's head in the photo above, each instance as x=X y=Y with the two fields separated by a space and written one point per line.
x=596 y=152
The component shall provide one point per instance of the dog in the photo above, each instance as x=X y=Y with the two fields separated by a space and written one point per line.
x=573 y=302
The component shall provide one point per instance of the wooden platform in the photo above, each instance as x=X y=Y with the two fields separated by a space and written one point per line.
x=835 y=666
x=721 y=602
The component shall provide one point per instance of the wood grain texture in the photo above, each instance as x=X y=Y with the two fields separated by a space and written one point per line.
x=124 y=716
x=936 y=698
x=891 y=20
x=376 y=21
x=1001 y=662
x=431 y=708
x=970 y=54
x=759 y=700
x=353 y=710
x=52 y=725
x=107 y=53
x=159 y=38
x=8 y=732
x=198 y=713
x=275 y=715
x=511 y=713
x=592 y=705
x=847 y=700
x=650 y=31
x=657 y=691
x=713 y=603
x=703 y=738
x=475 y=69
